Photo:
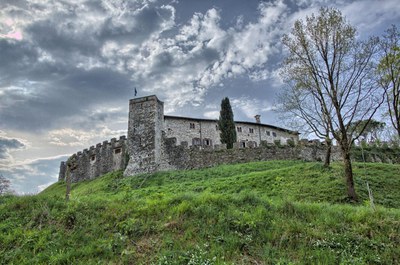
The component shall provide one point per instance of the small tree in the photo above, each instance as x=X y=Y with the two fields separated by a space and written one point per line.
x=4 y=185
x=226 y=124
x=389 y=74
x=338 y=71
x=303 y=111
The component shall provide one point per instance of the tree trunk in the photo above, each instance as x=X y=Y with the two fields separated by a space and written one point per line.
x=348 y=173
x=327 y=161
x=398 y=129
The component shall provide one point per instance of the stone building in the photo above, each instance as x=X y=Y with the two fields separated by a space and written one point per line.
x=159 y=142
x=205 y=132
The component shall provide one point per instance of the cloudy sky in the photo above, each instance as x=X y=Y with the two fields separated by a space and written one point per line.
x=68 y=68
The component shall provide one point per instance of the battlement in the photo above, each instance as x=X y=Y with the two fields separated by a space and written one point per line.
x=144 y=99
x=113 y=143
x=96 y=160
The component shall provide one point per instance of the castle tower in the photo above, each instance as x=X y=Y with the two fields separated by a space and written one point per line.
x=146 y=117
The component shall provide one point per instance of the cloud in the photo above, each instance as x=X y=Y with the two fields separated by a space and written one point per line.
x=369 y=15
x=32 y=175
x=9 y=31
x=250 y=106
x=37 y=106
x=214 y=114
x=8 y=144
x=78 y=55
x=57 y=73
x=82 y=138
x=203 y=54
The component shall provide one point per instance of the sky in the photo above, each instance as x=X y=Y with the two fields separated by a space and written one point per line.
x=68 y=68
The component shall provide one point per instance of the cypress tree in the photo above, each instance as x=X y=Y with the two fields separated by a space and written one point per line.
x=226 y=124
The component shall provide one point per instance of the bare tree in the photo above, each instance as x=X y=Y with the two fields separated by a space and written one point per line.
x=389 y=74
x=338 y=72
x=304 y=112
x=4 y=185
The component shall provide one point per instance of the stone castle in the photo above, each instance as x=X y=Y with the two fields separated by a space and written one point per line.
x=157 y=142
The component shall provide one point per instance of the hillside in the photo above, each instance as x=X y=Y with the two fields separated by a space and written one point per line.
x=275 y=212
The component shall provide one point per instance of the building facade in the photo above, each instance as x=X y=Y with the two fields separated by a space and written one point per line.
x=205 y=132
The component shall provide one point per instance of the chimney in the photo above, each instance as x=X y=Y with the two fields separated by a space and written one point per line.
x=258 y=118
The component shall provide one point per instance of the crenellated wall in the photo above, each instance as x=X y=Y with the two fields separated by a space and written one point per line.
x=97 y=160
x=182 y=156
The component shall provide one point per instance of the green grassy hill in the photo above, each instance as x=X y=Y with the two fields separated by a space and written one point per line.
x=276 y=212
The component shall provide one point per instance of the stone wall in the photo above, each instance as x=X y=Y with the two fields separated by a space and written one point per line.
x=95 y=161
x=181 y=156
x=191 y=157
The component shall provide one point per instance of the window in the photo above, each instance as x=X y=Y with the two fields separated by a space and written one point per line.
x=251 y=130
x=196 y=141
x=207 y=142
x=274 y=134
x=216 y=127
x=192 y=125
x=92 y=158
x=239 y=129
x=268 y=133
x=117 y=150
x=243 y=144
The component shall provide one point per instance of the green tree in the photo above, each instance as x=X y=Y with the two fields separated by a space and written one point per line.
x=371 y=129
x=389 y=74
x=337 y=70
x=226 y=124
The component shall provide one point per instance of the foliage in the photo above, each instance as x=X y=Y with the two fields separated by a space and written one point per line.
x=327 y=62
x=226 y=124
x=369 y=130
x=275 y=212
x=389 y=72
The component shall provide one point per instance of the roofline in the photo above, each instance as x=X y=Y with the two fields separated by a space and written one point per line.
x=245 y=122
x=145 y=98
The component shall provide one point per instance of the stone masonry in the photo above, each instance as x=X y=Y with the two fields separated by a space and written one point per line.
x=96 y=161
x=153 y=138
x=157 y=142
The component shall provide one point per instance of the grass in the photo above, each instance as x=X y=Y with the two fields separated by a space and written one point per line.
x=275 y=212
